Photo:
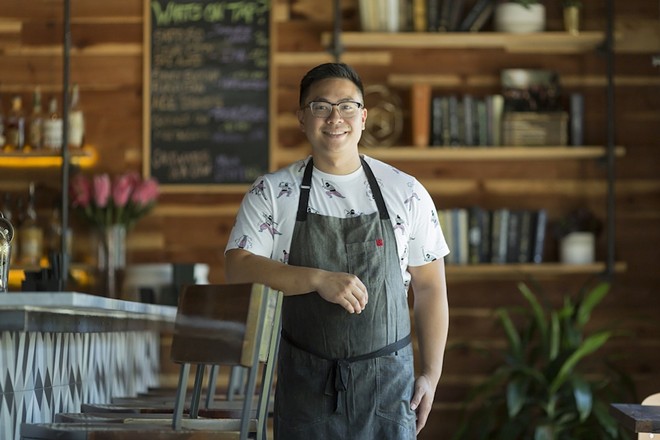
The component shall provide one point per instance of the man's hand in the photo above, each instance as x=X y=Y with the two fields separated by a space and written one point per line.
x=422 y=401
x=343 y=289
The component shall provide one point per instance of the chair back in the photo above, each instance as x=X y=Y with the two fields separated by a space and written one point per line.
x=220 y=324
x=227 y=325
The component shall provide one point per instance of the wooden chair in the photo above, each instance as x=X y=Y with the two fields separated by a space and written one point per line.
x=218 y=325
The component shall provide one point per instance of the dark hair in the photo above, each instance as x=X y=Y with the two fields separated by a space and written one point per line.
x=325 y=71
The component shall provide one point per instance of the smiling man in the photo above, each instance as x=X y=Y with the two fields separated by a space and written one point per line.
x=344 y=236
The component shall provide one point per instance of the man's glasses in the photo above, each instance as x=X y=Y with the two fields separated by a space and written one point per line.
x=323 y=109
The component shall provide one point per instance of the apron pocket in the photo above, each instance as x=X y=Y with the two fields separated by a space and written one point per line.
x=395 y=382
x=366 y=261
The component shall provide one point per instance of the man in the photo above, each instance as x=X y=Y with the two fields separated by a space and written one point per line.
x=343 y=236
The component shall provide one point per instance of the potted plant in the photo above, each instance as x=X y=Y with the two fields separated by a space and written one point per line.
x=577 y=232
x=520 y=16
x=572 y=16
x=547 y=387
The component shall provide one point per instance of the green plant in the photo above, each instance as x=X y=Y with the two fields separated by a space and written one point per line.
x=546 y=388
x=578 y=220
x=572 y=3
x=525 y=3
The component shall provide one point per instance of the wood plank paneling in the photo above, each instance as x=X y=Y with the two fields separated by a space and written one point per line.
x=107 y=63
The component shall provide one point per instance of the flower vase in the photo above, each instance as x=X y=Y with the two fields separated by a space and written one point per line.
x=112 y=259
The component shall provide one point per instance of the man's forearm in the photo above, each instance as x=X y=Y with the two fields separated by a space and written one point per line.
x=431 y=326
x=244 y=267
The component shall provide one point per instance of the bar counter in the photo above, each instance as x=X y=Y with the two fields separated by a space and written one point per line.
x=61 y=349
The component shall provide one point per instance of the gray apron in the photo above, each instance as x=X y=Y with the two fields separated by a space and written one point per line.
x=343 y=375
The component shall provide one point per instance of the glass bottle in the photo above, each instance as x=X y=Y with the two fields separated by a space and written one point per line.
x=15 y=137
x=36 y=130
x=76 y=119
x=54 y=233
x=2 y=128
x=30 y=233
x=53 y=127
x=8 y=212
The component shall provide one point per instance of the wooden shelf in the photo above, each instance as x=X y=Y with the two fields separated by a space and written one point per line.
x=413 y=154
x=84 y=158
x=546 y=42
x=489 y=153
x=517 y=271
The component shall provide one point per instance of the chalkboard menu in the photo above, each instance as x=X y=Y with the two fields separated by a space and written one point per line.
x=207 y=91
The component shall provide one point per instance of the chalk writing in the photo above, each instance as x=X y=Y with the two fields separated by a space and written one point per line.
x=208 y=90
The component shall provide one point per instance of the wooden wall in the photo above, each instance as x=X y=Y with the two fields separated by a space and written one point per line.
x=106 y=61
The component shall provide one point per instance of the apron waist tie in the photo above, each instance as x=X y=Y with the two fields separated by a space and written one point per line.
x=337 y=382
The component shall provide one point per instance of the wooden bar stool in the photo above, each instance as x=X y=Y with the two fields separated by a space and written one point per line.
x=221 y=325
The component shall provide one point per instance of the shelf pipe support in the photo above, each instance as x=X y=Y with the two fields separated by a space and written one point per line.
x=611 y=154
x=64 y=263
x=337 y=48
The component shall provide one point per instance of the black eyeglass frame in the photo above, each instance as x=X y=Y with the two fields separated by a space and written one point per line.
x=332 y=104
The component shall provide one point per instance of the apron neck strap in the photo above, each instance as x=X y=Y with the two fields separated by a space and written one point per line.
x=306 y=186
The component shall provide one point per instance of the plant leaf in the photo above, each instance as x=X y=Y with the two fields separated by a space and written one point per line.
x=544 y=432
x=583 y=397
x=592 y=299
x=555 y=336
x=537 y=310
x=511 y=332
x=590 y=344
x=515 y=395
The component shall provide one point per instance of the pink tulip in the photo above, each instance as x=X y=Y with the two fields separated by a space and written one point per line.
x=101 y=190
x=145 y=193
x=80 y=191
x=123 y=187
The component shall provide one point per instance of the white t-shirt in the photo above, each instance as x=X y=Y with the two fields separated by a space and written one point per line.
x=265 y=221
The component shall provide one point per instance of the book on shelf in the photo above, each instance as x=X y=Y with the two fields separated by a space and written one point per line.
x=538 y=244
x=499 y=235
x=454 y=121
x=478 y=235
x=380 y=15
x=470 y=123
x=482 y=123
x=445 y=15
x=436 y=121
x=419 y=15
x=455 y=14
x=525 y=242
x=494 y=113
x=432 y=14
x=460 y=231
x=440 y=120
x=420 y=113
x=513 y=236
x=577 y=119
x=477 y=16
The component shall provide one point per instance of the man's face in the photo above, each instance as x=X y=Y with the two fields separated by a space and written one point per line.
x=335 y=133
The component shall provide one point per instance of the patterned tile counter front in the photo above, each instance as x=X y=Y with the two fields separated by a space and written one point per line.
x=58 y=350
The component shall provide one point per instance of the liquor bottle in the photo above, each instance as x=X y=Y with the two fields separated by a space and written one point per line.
x=9 y=215
x=53 y=127
x=30 y=233
x=16 y=125
x=76 y=119
x=2 y=127
x=54 y=233
x=36 y=130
